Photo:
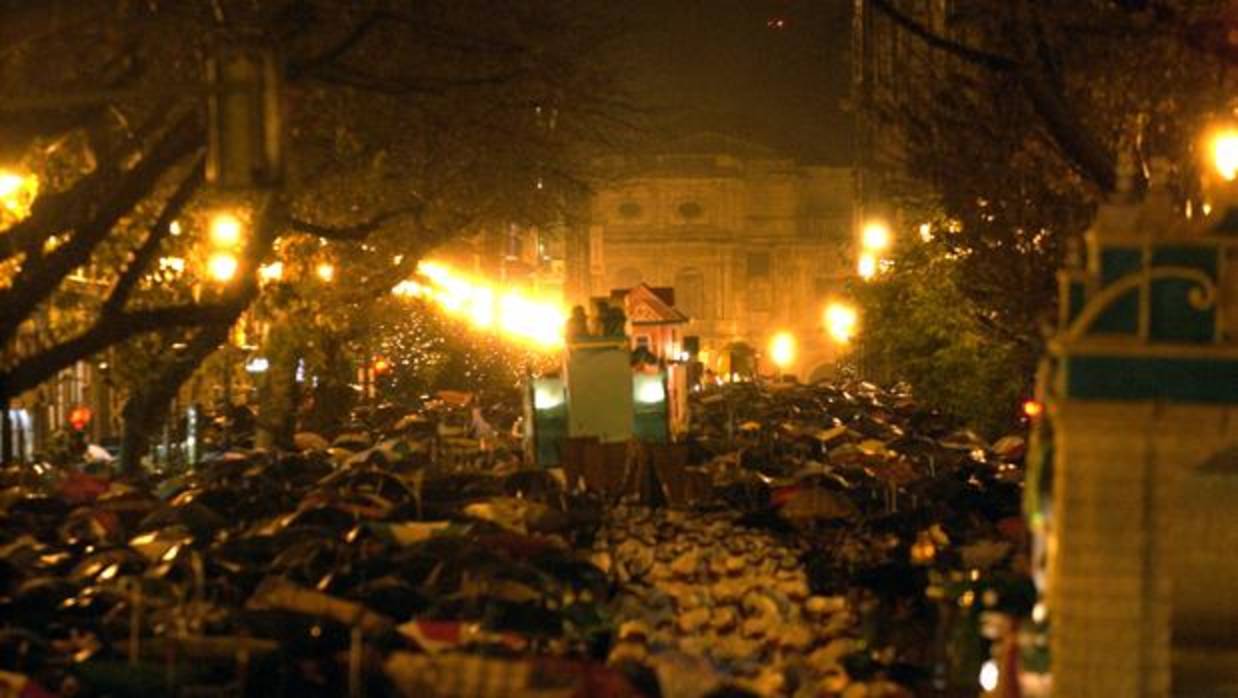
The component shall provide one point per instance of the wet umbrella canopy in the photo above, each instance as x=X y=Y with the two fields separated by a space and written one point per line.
x=834 y=519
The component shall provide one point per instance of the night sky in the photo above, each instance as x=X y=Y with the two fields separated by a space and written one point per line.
x=771 y=71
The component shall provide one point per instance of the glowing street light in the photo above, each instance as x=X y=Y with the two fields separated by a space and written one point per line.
x=782 y=350
x=225 y=230
x=1032 y=409
x=17 y=193
x=867 y=266
x=875 y=237
x=222 y=266
x=271 y=272
x=325 y=271
x=1224 y=149
x=841 y=321
x=10 y=183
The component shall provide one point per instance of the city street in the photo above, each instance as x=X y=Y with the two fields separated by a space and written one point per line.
x=618 y=349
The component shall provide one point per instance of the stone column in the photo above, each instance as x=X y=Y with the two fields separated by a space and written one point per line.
x=1110 y=609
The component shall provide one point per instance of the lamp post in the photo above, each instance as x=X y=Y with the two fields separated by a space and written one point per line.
x=226 y=232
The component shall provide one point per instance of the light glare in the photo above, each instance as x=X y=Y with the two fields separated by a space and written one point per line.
x=271 y=272
x=1225 y=154
x=17 y=193
x=875 y=237
x=649 y=390
x=225 y=230
x=509 y=312
x=867 y=266
x=989 y=675
x=546 y=399
x=782 y=349
x=841 y=321
x=222 y=266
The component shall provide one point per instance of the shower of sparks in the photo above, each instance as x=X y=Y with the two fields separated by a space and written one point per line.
x=506 y=311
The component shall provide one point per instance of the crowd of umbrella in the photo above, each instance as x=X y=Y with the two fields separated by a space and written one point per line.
x=848 y=543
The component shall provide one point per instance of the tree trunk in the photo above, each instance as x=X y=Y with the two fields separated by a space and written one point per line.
x=147 y=408
x=277 y=400
x=334 y=398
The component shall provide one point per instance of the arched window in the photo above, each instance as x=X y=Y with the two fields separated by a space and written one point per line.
x=690 y=293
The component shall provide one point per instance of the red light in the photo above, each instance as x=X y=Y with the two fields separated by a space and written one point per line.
x=1033 y=409
x=381 y=366
x=80 y=417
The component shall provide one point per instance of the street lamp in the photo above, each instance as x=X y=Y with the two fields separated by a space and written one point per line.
x=782 y=350
x=875 y=237
x=222 y=266
x=225 y=230
x=841 y=320
x=17 y=193
x=866 y=267
x=325 y=271
x=1224 y=150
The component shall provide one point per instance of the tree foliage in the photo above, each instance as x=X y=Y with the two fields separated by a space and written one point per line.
x=921 y=328
x=405 y=123
x=1002 y=127
x=429 y=352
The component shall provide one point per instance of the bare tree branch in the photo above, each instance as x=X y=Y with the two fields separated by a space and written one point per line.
x=305 y=66
x=352 y=233
x=109 y=331
x=35 y=282
x=972 y=55
x=150 y=247
x=1073 y=138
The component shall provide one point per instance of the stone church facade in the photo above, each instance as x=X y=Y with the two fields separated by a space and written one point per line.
x=752 y=242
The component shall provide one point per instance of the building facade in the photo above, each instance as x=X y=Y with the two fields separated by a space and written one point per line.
x=752 y=242
x=893 y=73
